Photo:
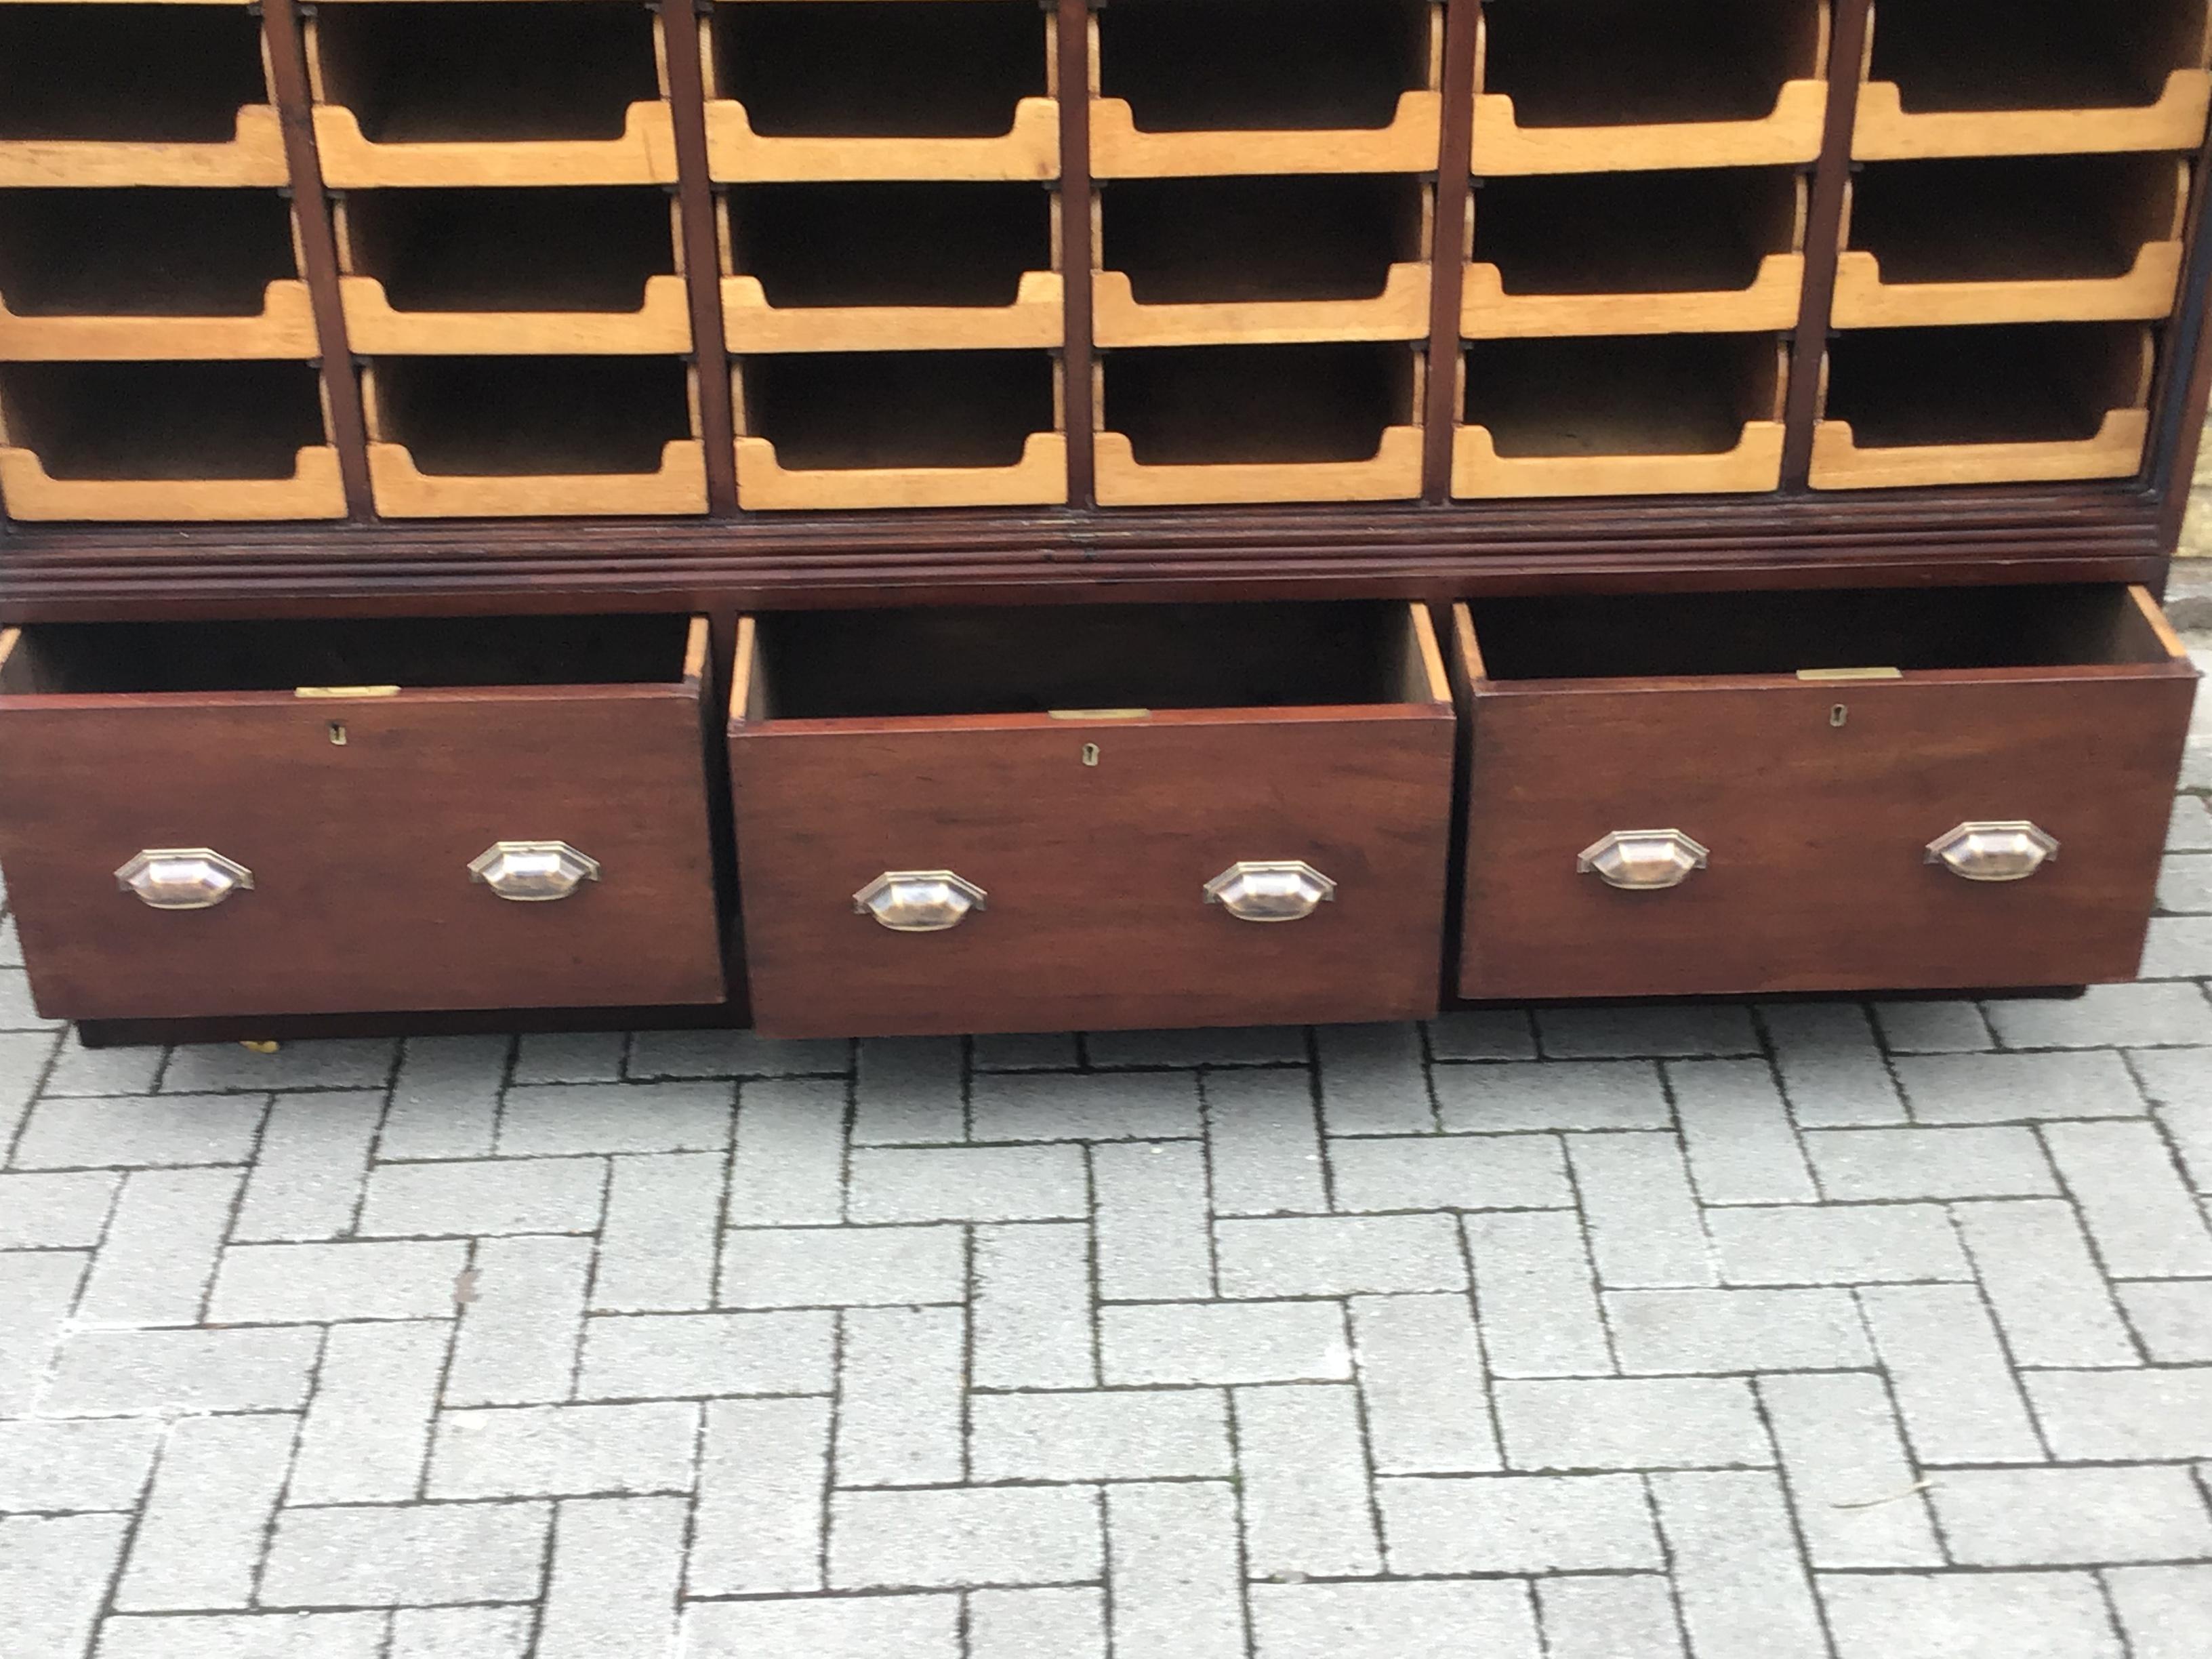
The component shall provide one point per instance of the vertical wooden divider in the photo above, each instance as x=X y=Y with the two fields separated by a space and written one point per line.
x=1447 y=259
x=319 y=249
x=1073 y=44
x=2185 y=355
x=702 y=252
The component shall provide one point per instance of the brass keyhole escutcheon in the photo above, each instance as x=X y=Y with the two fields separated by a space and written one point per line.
x=1840 y=716
x=338 y=733
x=1091 y=754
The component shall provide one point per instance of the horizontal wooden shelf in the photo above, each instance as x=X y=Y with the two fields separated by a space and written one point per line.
x=1038 y=317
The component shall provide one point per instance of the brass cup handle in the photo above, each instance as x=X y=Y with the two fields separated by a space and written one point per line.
x=533 y=872
x=2011 y=849
x=183 y=878
x=1277 y=890
x=920 y=901
x=1643 y=860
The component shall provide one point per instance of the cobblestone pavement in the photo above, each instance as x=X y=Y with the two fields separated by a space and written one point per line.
x=1806 y=1331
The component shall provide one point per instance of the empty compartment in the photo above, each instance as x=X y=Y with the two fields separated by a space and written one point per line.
x=907 y=266
x=1320 y=422
x=150 y=274
x=134 y=441
x=890 y=429
x=525 y=437
x=1186 y=87
x=488 y=92
x=2020 y=403
x=1613 y=86
x=2021 y=78
x=1637 y=254
x=586 y=270
x=2033 y=239
x=800 y=90
x=1642 y=415
x=1253 y=260
x=135 y=95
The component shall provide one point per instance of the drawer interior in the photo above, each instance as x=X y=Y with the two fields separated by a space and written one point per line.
x=1625 y=63
x=163 y=419
x=1667 y=635
x=1641 y=233
x=1234 y=65
x=2015 y=218
x=2032 y=54
x=1197 y=241
x=843 y=410
x=141 y=252
x=128 y=73
x=890 y=244
x=2034 y=383
x=891 y=663
x=486 y=70
x=1670 y=394
x=509 y=250
x=881 y=69
x=526 y=416
x=1208 y=406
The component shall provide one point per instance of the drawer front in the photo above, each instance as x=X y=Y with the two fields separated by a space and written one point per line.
x=1817 y=825
x=1095 y=874
x=362 y=897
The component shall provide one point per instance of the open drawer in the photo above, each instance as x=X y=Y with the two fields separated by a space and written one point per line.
x=270 y=817
x=1691 y=794
x=979 y=821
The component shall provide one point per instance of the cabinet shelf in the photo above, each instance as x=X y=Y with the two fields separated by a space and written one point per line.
x=187 y=441
x=1712 y=251
x=1186 y=88
x=2033 y=239
x=899 y=430
x=1646 y=415
x=489 y=92
x=2032 y=77
x=2014 y=403
x=593 y=271
x=1614 y=86
x=532 y=437
x=1253 y=423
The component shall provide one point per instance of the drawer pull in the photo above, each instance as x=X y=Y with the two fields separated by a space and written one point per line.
x=1643 y=860
x=919 y=901
x=2007 y=850
x=533 y=872
x=183 y=878
x=1282 y=890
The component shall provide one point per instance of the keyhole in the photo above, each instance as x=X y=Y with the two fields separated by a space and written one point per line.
x=338 y=734
x=1091 y=754
x=1840 y=716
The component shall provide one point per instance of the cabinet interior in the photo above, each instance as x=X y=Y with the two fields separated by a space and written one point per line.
x=163 y=419
x=1236 y=65
x=927 y=244
x=145 y=74
x=1208 y=406
x=522 y=417
x=1705 y=231
x=510 y=250
x=1678 y=394
x=2022 y=383
x=2033 y=54
x=142 y=252
x=2013 y=219
x=846 y=410
x=1628 y=63
x=1194 y=241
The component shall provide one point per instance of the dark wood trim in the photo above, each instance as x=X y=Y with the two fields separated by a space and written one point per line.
x=1071 y=42
x=703 y=256
x=1824 y=234
x=1447 y=262
x=2184 y=367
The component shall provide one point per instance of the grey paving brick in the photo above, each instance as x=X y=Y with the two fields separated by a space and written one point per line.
x=1175 y=1583
x=2173 y=1318
x=1250 y=1045
x=2141 y=1215
x=161 y=1248
x=1657 y=1332
x=2020 y=1615
x=2016 y=1088
x=325 y=1063
x=1338 y=1255
x=55 y=1210
x=1932 y=1026
x=54 y=1575
x=1743 y=1148
x=899 y=1403
x=967 y=1184
x=1629 y=1423
x=1998 y=1161
x=485 y=1196
x=368 y=1429
x=1421 y=1376
x=1595 y=1094
x=419 y=1554
x=615 y=1117
x=199 y=1538
x=94 y=1463
x=1264 y=1144
x=1450 y=1172
x=2121 y=1415
x=444 y=1100
x=2176 y=1082
x=522 y=1324
x=133 y=1373
x=569 y=1056
x=1957 y=1394
x=1849 y=1476
x=1835 y=1244
x=854 y=1627
x=735 y=1054
x=81 y=1071
x=908 y=1091
x=1151 y=1234
x=1609 y=1618
x=2164 y=1610
x=1737 y=1574
x=2142 y=1016
x=643 y=1356
x=1393 y=1621
x=1113 y=1434
x=37 y=1288
x=2050 y=1298
x=1084 y=1106
x=1016 y=1624
x=2177 y=947
x=1483 y=1034
x=970 y=1536
x=841 y=1267
x=1595 y=1031
x=1373 y=1081
x=1519 y=1523
x=1223 y=1342
x=283 y=1284
x=1644 y=1220
x=2190 y=828
x=1832 y=1069
x=1031 y=1313
x=657 y=1244
x=2072 y=1516
x=1025 y=1051
x=247 y=1636
x=127 y=1130
x=761 y=1515
x=2185 y=884
x=616 y=1563
x=547 y=1451
x=309 y=1171
x=1537 y=1296
x=17 y=1013
x=1304 y=1467
x=788 y=1169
